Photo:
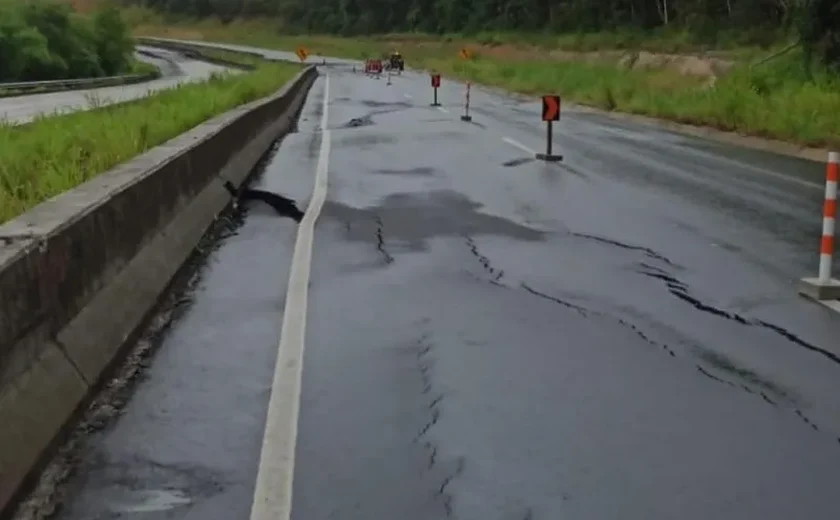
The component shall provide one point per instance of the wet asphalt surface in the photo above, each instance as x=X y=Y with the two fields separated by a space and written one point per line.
x=175 y=70
x=494 y=338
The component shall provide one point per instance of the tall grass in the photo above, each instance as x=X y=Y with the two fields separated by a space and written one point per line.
x=54 y=154
x=772 y=100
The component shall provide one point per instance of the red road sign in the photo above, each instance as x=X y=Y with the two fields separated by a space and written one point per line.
x=435 y=80
x=551 y=108
x=373 y=66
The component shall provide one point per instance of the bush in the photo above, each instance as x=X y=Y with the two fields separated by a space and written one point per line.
x=48 y=40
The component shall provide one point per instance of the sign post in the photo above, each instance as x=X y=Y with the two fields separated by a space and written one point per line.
x=466 y=117
x=550 y=114
x=435 y=86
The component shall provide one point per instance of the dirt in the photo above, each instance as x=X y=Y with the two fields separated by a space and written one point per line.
x=685 y=65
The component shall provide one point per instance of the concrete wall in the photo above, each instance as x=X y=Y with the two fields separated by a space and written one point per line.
x=199 y=53
x=80 y=273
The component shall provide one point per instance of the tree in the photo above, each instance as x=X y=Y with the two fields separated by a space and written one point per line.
x=114 y=44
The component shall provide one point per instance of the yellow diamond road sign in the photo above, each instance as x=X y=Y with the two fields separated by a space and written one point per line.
x=302 y=53
x=466 y=54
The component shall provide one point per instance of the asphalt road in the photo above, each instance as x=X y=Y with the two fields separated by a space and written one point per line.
x=490 y=337
x=269 y=54
x=175 y=67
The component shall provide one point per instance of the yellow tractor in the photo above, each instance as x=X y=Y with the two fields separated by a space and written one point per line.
x=396 y=62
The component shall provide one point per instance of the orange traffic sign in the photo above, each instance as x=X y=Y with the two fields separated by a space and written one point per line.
x=302 y=53
x=435 y=80
x=466 y=54
x=551 y=108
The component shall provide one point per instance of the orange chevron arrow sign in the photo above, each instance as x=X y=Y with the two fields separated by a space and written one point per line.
x=551 y=108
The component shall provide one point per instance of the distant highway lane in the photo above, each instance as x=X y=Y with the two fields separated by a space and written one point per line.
x=176 y=69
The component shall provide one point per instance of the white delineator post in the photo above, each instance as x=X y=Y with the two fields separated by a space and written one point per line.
x=824 y=287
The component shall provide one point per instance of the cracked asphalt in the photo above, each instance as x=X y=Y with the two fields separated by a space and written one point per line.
x=494 y=338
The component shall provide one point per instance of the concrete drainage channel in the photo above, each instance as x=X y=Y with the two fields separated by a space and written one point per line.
x=82 y=273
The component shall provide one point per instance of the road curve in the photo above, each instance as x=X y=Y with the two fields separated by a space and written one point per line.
x=175 y=67
x=490 y=337
x=269 y=54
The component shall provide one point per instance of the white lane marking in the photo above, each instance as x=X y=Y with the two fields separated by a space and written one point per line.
x=789 y=178
x=443 y=110
x=407 y=96
x=519 y=145
x=273 y=492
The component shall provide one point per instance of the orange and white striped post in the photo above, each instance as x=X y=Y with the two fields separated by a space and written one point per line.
x=824 y=287
x=829 y=217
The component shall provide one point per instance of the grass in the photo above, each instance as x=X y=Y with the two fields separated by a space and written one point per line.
x=55 y=154
x=768 y=100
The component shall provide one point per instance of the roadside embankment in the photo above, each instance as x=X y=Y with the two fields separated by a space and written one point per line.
x=144 y=69
x=80 y=272
x=43 y=87
x=722 y=90
x=53 y=154
x=241 y=60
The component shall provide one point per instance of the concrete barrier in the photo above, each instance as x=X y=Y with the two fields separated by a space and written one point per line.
x=199 y=53
x=81 y=272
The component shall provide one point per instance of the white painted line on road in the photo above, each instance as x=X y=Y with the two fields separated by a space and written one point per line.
x=407 y=96
x=443 y=110
x=519 y=145
x=788 y=178
x=273 y=491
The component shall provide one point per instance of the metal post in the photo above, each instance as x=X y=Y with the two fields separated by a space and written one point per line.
x=466 y=116
x=548 y=140
x=548 y=156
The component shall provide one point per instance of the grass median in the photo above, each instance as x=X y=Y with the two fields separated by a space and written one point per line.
x=771 y=99
x=54 y=154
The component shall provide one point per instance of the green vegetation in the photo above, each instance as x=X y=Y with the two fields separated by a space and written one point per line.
x=54 y=154
x=698 y=22
x=730 y=89
x=47 y=40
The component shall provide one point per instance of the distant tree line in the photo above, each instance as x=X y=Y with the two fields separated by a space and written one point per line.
x=816 y=21
x=46 y=40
